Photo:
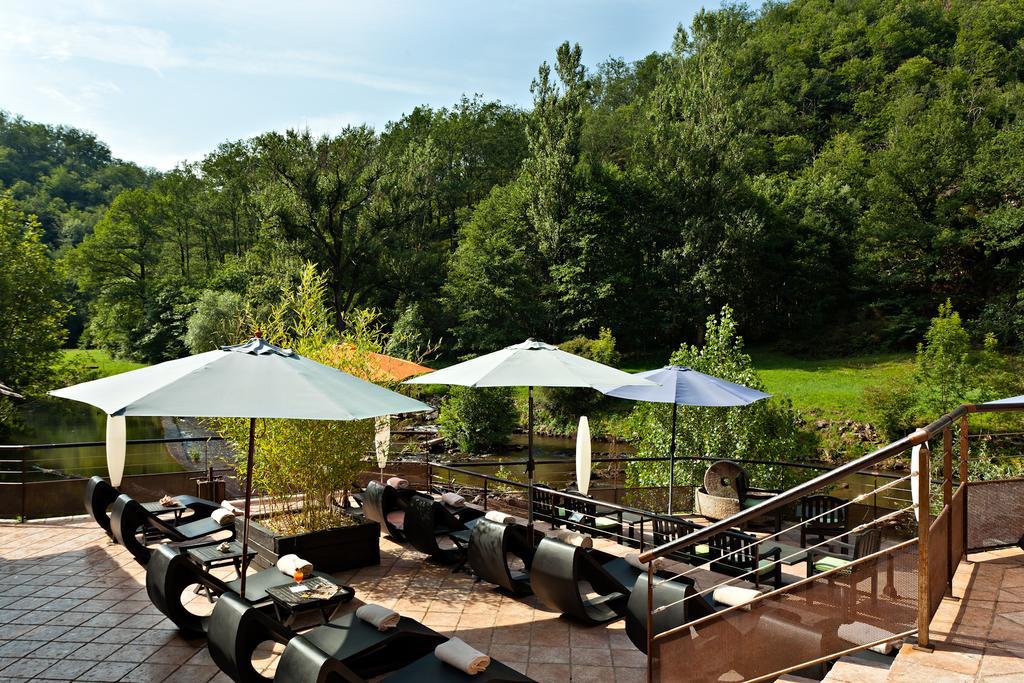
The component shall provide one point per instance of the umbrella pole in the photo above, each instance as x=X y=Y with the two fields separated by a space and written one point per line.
x=529 y=463
x=248 y=503
x=672 y=460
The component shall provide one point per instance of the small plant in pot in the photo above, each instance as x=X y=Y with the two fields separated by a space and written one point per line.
x=316 y=460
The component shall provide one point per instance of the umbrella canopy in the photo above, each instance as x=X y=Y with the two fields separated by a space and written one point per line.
x=253 y=380
x=530 y=364
x=7 y=391
x=682 y=386
x=1013 y=400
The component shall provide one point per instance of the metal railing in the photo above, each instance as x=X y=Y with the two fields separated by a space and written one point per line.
x=930 y=557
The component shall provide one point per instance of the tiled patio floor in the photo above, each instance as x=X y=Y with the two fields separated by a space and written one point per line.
x=979 y=637
x=64 y=587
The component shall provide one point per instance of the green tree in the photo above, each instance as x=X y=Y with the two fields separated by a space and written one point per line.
x=477 y=420
x=215 y=321
x=31 y=313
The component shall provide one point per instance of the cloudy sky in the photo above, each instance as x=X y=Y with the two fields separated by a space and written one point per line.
x=163 y=81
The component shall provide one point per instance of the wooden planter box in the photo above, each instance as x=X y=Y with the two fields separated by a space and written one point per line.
x=330 y=550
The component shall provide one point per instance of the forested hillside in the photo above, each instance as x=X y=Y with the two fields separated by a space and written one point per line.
x=832 y=170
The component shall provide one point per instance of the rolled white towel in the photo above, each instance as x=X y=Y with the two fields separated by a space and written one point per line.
x=500 y=517
x=229 y=506
x=380 y=617
x=398 y=483
x=574 y=538
x=289 y=564
x=735 y=595
x=860 y=633
x=457 y=653
x=453 y=500
x=223 y=517
x=634 y=560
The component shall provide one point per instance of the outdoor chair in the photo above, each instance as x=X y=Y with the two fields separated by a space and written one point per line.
x=586 y=517
x=865 y=543
x=669 y=529
x=559 y=569
x=128 y=518
x=100 y=495
x=547 y=506
x=236 y=629
x=432 y=528
x=739 y=554
x=430 y=668
x=493 y=546
x=387 y=506
x=830 y=517
x=171 y=572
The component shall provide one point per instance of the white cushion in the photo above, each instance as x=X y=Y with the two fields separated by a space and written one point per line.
x=500 y=517
x=573 y=538
x=634 y=560
x=223 y=517
x=398 y=483
x=453 y=500
x=735 y=595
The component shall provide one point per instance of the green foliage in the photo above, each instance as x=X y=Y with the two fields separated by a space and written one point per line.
x=408 y=338
x=564 y=405
x=942 y=362
x=313 y=457
x=893 y=408
x=476 y=420
x=215 y=322
x=766 y=430
x=32 y=314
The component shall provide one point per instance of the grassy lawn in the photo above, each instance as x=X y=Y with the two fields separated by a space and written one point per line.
x=831 y=388
x=100 y=359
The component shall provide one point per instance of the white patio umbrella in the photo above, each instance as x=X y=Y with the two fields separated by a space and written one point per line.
x=530 y=364
x=251 y=380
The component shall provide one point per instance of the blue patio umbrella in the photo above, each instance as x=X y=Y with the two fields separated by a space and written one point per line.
x=682 y=386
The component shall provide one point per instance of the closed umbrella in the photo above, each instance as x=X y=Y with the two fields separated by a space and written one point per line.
x=530 y=364
x=254 y=380
x=583 y=456
x=682 y=386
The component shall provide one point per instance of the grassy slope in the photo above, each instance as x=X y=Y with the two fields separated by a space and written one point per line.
x=101 y=359
x=831 y=388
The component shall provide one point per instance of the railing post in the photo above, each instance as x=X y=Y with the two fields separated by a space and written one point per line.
x=947 y=502
x=485 y=493
x=24 y=487
x=964 y=474
x=650 y=622
x=924 y=616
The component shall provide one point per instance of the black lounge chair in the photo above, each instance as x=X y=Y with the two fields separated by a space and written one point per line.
x=128 y=518
x=669 y=529
x=236 y=629
x=387 y=506
x=491 y=545
x=100 y=495
x=738 y=554
x=679 y=594
x=559 y=568
x=171 y=572
x=430 y=668
x=432 y=528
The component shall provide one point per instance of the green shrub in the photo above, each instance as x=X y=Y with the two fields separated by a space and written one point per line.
x=477 y=419
x=893 y=408
x=566 y=405
x=409 y=337
x=215 y=321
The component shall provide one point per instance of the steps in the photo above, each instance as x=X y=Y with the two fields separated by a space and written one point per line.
x=857 y=668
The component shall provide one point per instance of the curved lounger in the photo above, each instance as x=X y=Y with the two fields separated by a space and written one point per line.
x=387 y=506
x=236 y=629
x=429 y=525
x=430 y=668
x=490 y=546
x=127 y=517
x=558 y=568
x=100 y=495
x=679 y=594
x=171 y=572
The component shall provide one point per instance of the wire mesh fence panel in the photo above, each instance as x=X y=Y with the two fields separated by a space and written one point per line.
x=938 y=559
x=995 y=510
x=873 y=600
x=957 y=521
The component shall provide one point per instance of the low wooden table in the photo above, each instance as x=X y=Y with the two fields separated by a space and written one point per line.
x=157 y=508
x=210 y=556
x=288 y=603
